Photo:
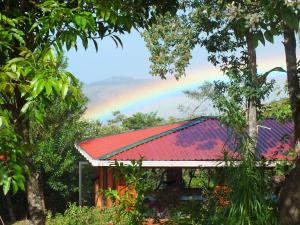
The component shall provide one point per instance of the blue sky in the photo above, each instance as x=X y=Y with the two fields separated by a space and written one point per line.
x=132 y=60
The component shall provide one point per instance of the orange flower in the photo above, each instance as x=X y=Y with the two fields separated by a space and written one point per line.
x=221 y=192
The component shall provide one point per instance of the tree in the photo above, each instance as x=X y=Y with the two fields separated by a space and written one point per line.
x=33 y=35
x=253 y=22
x=280 y=110
x=287 y=14
x=57 y=158
x=136 y=121
x=25 y=94
x=229 y=31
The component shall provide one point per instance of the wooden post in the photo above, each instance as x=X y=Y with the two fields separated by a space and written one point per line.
x=98 y=187
x=81 y=163
x=121 y=186
x=104 y=180
x=110 y=184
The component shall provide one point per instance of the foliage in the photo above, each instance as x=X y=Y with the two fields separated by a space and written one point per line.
x=130 y=203
x=250 y=196
x=230 y=32
x=34 y=78
x=57 y=157
x=219 y=26
x=170 y=42
x=32 y=38
x=85 y=216
x=202 y=211
x=280 y=110
x=50 y=22
x=136 y=121
x=11 y=168
x=224 y=28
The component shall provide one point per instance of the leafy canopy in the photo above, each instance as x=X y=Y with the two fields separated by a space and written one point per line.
x=33 y=35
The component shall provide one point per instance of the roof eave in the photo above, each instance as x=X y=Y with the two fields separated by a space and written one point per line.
x=161 y=163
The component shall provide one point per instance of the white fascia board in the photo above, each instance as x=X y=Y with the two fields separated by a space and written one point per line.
x=183 y=164
x=90 y=159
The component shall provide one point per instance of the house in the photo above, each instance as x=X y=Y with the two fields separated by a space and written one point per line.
x=200 y=142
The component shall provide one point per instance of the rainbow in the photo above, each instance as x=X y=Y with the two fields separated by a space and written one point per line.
x=157 y=89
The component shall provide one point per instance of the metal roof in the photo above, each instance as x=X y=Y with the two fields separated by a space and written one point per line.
x=201 y=139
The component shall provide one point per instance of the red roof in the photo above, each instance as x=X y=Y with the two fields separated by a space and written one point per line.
x=204 y=138
x=97 y=147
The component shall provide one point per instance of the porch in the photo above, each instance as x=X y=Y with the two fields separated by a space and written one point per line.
x=199 y=143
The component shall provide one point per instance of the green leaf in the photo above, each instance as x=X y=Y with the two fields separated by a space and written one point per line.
x=107 y=15
x=278 y=69
x=21 y=185
x=74 y=89
x=80 y=21
x=19 y=38
x=64 y=90
x=102 y=14
x=14 y=186
x=68 y=43
x=3 y=121
x=260 y=37
x=17 y=168
x=119 y=40
x=39 y=86
x=6 y=185
x=57 y=85
x=13 y=67
x=20 y=181
x=291 y=19
x=95 y=44
x=34 y=26
x=15 y=60
x=48 y=87
x=39 y=116
x=12 y=75
x=269 y=36
x=84 y=41
x=26 y=106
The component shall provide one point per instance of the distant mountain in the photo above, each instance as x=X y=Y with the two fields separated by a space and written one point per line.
x=111 y=86
x=103 y=92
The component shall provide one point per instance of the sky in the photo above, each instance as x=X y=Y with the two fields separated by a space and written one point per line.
x=132 y=61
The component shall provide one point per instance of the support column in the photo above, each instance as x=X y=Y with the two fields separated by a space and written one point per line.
x=98 y=184
x=104 y=180
x=110 y=184
x=121 y=186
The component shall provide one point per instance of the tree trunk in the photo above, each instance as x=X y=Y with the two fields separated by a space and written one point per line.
x=252 y=117
x=289 y=200
x=10 y=209
x=35 y=198
x=293 y=82
x=35 y=195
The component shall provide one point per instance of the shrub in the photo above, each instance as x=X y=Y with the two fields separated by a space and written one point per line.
x=76 y=215
x=250 y=201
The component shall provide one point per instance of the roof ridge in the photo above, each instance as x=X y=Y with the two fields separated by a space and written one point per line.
x=156 y=136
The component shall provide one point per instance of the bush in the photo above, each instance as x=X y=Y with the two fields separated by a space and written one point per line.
x=76 y=215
